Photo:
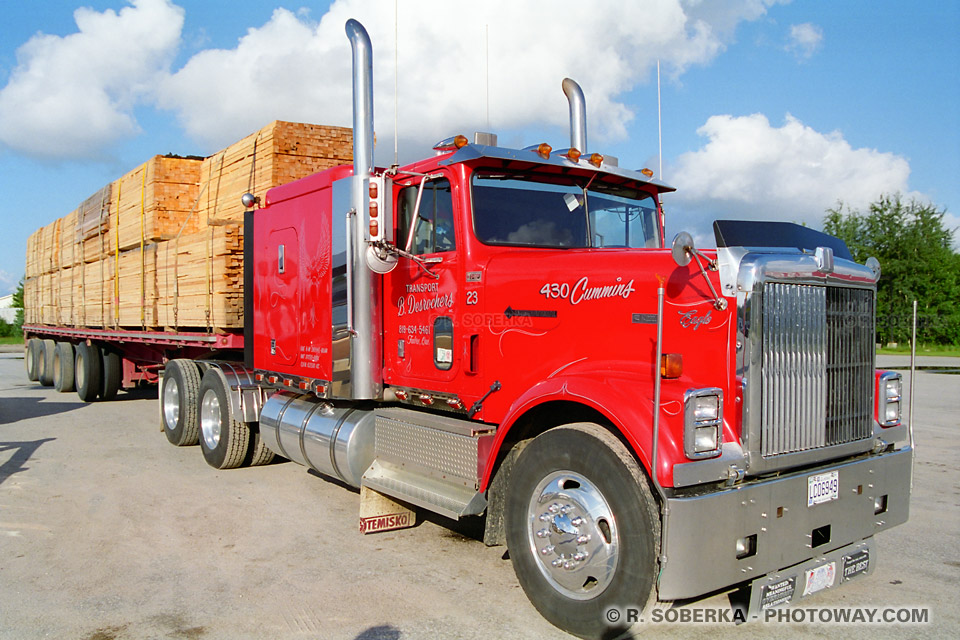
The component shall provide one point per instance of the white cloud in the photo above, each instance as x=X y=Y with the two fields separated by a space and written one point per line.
x=297 y=69
x=72 y=96
x=749 y=169
x=804 y=40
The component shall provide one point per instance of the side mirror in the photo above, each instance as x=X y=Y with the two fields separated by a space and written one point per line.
x=683 y=248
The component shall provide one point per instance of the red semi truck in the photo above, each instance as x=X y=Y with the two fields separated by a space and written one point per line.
x=505 y=333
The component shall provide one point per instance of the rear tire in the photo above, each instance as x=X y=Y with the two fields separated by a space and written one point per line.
x=31 y=359
x=583 y=529
x=63 y=365
x=260 y=453
x=224 y=440
x=179 y=402
x=88 y=371
x=46 y=363
x=112 y=374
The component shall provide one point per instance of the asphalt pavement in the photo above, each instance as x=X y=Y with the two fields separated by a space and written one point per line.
x=107 y=532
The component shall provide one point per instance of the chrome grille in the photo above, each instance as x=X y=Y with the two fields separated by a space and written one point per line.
x=817 y=367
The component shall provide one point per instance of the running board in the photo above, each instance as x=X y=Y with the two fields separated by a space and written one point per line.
x=431 y=461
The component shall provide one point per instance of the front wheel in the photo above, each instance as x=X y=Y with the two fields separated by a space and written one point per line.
x=583 y=529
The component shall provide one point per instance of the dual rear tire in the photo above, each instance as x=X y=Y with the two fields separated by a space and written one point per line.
x=196 y=408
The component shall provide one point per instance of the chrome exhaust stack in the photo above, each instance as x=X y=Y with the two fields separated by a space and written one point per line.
x=365 y=376
x=578 y=115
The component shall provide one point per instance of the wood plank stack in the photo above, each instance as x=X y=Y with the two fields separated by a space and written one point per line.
x=178 y=223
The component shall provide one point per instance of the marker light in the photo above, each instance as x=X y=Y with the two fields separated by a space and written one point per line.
x=596 y=159
x=460 y=141
x=374 y=229
x=374 y=210
x=671 y=365
x=647 y=172
x=573 y=154
x=373 y=190
x=543 y=150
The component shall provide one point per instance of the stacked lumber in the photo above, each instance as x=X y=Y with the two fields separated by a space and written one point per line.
x=155 y=201
x=279 y=153
x=178 y=224
x=92 y=226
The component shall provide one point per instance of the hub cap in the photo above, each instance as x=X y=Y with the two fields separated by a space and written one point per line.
x=210 y=419
x=171 y=403
x=573 y=535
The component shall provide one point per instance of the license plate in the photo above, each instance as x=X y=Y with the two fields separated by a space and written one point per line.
x=823 y=487
x=820 y=578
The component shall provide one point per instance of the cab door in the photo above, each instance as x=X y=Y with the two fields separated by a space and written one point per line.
x=421 y=347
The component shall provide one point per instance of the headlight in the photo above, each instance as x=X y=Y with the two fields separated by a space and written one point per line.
x=703 y=422
x=889 y=391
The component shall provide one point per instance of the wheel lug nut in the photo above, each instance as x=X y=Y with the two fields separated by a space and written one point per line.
x=579 y=557
x=565 y=509
x=557 y=563
x=554 y=508
x=577 y=521
x=585 y=538
x=569 y=565
x=544 y=517
x=543 y=533
x=547 y=550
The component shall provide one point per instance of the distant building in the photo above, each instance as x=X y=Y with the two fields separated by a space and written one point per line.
x=7 y=311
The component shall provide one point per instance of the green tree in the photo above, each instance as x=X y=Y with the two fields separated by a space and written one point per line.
x=18 y=305
x=917 y=262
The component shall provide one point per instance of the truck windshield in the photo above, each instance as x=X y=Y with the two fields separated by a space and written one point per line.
x=548 y=210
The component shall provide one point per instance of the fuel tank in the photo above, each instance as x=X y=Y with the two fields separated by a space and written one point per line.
x=333 y=440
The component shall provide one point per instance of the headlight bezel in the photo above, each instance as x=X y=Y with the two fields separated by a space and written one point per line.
x=889 y=399
x=702 y=422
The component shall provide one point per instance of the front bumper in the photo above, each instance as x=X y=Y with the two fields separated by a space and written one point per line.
x=701 y=532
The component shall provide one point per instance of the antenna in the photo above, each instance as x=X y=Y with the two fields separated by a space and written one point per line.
x=486 y=46
x=659 y=124
x=396 y=85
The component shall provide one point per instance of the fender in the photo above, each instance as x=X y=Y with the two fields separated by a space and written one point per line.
x=620 y=395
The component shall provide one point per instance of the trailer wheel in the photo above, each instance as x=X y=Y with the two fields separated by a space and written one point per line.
x=32 y=360
x=46 y=363
x=583 y=529
x=179 y=401
x=63 y=365
x=224 y=440
x=111 y=374
x=88 y=371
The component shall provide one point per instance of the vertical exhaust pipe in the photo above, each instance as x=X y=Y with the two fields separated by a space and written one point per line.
x=578 y=115
x=365 y=350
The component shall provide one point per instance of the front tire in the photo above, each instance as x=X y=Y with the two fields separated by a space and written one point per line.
x=224 y=440
x=583 y=529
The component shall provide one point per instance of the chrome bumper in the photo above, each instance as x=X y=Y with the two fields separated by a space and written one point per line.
x=701 y=532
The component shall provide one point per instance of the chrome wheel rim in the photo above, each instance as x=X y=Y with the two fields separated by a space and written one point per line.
x=573 y=535
x=210 y=419
x=171 y=403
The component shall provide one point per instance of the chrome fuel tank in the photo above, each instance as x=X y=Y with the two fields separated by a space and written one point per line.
x=335 y=441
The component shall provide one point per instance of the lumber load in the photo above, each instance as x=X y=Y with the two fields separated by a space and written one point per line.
x=162 y=247
x=200 y=279
x=155 y=202
x=93 y=226
x=279 y=153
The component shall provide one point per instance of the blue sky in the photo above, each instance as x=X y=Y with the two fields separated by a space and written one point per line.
x=771 y=110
